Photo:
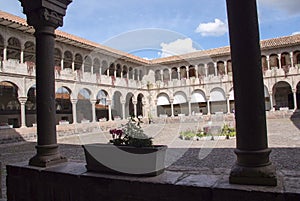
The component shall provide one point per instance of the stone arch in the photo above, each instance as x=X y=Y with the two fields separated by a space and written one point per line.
x=88 y=64
x=211 y=69
x=63 y=105
x=78 y=61
x=104 y=67
x=84 y=106
x=180 y=103
x=9 y=104
x=140 y=105
x=29 y=52
x=117 y=110
x=102 y=105
x=297 y=58
x=283 y=95
x=157 y=75
x=129 y=107
x=174 y=73
x=96 y=66
x=198 y=102
x=166 y=75
x=57 y=57
x=14 y=49
x=221 y=68
x=218 y=100
x=163 y=105
x=30 y=106
x=68 y=60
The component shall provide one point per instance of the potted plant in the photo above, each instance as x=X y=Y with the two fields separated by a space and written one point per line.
x=130 y=152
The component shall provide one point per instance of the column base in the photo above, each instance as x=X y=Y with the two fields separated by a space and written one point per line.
x=47 y=155
x=263 y=176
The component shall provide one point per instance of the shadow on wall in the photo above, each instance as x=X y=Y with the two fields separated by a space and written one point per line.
x=295 y=118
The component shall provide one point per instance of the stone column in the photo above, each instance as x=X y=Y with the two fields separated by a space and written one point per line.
x=109 y=110
x=206 y=70
x=5 y=51
x=172 y=107
x=187 y=72
x=123 y=109
x=228 y=104
x=134 y=107
x=268 y=62
x=22 y=55
x=22 y=101
x=62 y=63
x=45 y=16
x=216 y=68
x=178 y=73
x=292 y=59
x=225 y=66
x=295 y=98
x=208 y=105
x=93 y=102
x=279 y=61
x=197 y=71
x=253 y=165
x=74 y=110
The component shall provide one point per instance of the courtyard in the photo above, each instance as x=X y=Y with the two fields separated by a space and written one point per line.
x=208 y=157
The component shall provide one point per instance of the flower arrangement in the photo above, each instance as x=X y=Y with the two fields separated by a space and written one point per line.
x=131 y=134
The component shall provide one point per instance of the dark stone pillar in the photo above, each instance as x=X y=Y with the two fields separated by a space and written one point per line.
x=253 y=165
x=45 y=16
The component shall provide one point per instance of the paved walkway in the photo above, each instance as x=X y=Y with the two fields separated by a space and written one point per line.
x=205 y=156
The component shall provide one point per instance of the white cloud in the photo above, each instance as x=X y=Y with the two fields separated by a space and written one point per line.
x=295 y=33
x=289 y=6
x=179 y=46
x=216 y=28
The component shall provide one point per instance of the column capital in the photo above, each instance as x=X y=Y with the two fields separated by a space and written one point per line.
x=93 y=101
x=134 y=102
x=45 y=12
x=22 y=100
x=74 y=101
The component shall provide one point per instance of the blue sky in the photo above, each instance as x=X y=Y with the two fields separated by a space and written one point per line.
x=157 y=28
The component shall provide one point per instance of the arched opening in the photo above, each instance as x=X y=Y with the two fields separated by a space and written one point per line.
x=174 y=73
x=125 y=71
x=229 y=67
x=63 y=106
x=129 y=107
x=68 y=59
x=192 y=71
x=119 y=70
x=163 y=105
x=1 y=50
x=180 y=104
x=298 y=95
x=78 y=62
x=141 y=75
x=101 y=105
x=29 y=52
x=166 y=75
x=198 y=103
x=14 y=49
x=221 y=68
x=96 y=67
x=84 y=106
x=218 y=101
x=264 y=64
x=183 y=74
x=274 y=62
x=104 y=67
x=87 y=64
x=267 y=99
x=211 y=69
x=117 y=111
x=130 y=73
x=10 y=112
x=30 y=106
x=297 y=59
x=201 y=70
x=57 y=59
x=231 y=100
x=157 y=75
x=112 y=70
x=139 y=105
x=136 y=75
x=283 y=95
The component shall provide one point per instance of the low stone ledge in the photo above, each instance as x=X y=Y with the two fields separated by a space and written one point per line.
x=70 y=181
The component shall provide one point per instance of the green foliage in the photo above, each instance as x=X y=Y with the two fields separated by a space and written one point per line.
x=228 y=131
x=131 y=134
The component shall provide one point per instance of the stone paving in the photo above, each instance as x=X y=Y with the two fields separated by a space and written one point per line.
x=203 y=156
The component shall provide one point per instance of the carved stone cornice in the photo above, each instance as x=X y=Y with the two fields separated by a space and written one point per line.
x=45 y=12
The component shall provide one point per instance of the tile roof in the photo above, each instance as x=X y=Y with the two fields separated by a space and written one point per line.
x=265 y=44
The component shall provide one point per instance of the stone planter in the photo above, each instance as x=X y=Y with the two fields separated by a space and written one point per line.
x=108 y=158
